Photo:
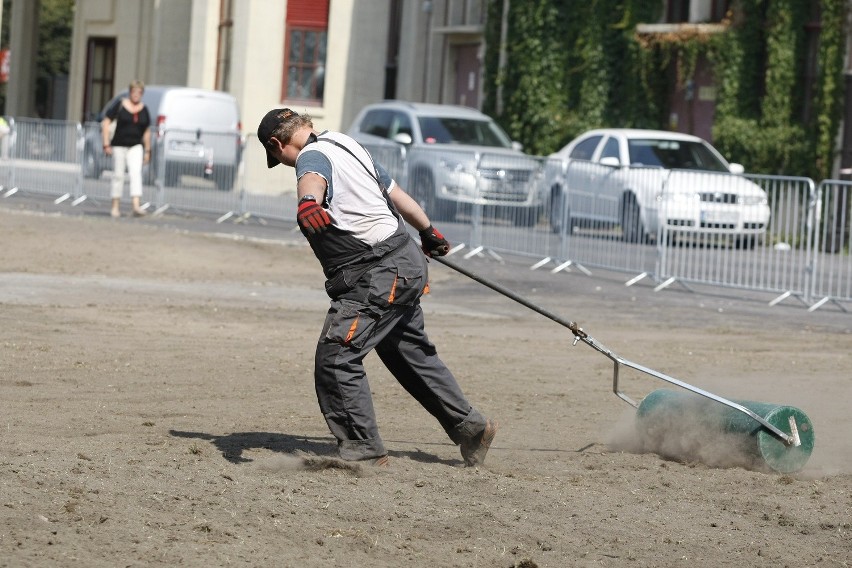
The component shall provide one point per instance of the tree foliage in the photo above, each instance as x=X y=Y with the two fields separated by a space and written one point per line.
x=55 y=27
x=571 y=66
x=759 y=111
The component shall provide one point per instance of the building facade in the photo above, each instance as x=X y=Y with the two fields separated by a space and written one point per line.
x=324 y=57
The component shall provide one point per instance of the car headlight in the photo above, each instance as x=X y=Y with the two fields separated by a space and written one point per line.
x=752 y=200
x=456 y=167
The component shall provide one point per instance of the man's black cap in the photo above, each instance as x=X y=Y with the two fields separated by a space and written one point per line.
x=267 y=128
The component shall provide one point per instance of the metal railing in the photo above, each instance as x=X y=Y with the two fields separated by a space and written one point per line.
x=599 y=225
x=774 y=256
x=783 y=236
x=832 y=244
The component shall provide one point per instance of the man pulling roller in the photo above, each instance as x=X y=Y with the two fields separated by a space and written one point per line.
x=353 y=215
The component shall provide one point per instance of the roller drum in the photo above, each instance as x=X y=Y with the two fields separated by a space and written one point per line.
x=684 y=425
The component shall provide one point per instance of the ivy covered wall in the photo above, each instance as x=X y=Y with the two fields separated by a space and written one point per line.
x=554 y=69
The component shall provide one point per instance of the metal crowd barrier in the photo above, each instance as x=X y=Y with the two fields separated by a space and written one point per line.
x=777 y=256
x=8 y=134
x=559 y=213
x=596 y=228
x=832 y=275
x=480 y=198
x=264 y=192
x=43 y=156
x=507 y=209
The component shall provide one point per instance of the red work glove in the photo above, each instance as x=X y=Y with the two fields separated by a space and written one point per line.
x=312 y=217
x=433 y=243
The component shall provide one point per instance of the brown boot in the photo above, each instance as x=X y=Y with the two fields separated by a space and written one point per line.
x=473 y=450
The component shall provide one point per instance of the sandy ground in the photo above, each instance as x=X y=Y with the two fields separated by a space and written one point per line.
x=158 y=409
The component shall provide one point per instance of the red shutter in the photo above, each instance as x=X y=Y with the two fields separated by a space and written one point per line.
x=307 y=13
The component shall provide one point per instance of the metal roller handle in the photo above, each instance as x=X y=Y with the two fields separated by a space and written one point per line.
x=580 y=335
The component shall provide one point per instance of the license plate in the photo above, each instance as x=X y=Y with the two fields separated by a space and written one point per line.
x=186 y=146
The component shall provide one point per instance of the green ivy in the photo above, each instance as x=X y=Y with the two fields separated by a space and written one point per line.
x=572 y=66
x=830 y=83
x=536 y=89
x=569 y=67
x=759 y=111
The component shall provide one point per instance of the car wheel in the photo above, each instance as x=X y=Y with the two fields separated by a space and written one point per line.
x=423 y=192
x=632 y=228
x=149 y=172
x=91 y=165
x=39 y=145
x=559 y=214
x=172 y=176
x=526 y=217
x=225 y=178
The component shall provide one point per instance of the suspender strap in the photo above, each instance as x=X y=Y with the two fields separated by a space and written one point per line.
x=373 y=174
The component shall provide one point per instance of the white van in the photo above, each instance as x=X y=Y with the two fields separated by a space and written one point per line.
x=195 y=132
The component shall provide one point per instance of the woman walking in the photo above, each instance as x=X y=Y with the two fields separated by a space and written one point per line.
x=129 y=145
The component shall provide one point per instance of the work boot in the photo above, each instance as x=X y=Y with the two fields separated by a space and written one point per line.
x=381 y=461
x=474 y=449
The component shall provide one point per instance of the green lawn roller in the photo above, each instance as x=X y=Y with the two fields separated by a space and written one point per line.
x=765 y=435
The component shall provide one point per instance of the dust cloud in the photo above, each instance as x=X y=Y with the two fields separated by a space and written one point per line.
x=686 y=433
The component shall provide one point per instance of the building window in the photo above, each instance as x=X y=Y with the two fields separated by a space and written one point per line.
x=677 y=12
x=100 y=74
x=683 y=11
x=720 y=10
x=223 y=56
x=305 y=51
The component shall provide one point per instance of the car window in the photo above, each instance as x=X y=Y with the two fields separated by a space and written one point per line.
x=400 y=124
x=585 y=149
x=674 y=154
x=213 y=113
x=377 y=122
x=464 y=131
x=610 y=149
x=152 y=99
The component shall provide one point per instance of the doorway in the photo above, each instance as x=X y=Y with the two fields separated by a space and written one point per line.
x=467 y=75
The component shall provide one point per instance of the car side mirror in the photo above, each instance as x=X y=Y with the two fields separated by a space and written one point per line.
x=403 y=138
x=517 y=146
x=611 y=161
x=737 y=169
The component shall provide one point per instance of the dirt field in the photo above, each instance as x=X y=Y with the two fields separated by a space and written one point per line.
x=158 y=409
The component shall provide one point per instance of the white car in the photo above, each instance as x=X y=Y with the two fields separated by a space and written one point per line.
x=452 y=157
x=647 y=180
x=200 y=130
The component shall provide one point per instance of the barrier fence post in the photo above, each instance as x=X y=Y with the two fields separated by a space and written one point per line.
x=476 y=208
x=8 y=153
x=812 y=222
x=80 y=147
x=159 y=182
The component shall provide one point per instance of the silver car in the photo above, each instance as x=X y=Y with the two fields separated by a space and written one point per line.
x=648 y=180
x=450 y=158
